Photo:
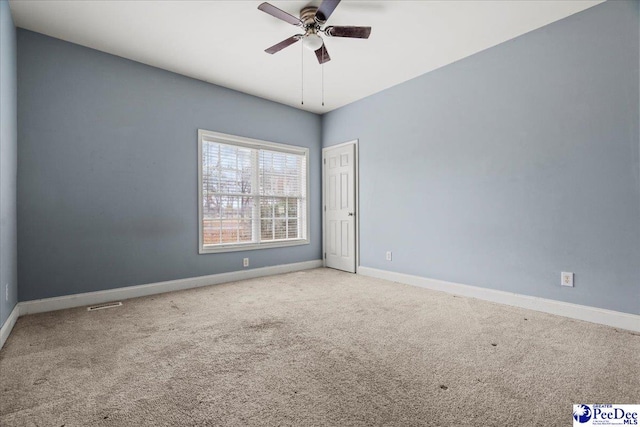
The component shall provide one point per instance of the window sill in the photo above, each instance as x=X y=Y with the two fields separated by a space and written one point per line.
x=249 y=246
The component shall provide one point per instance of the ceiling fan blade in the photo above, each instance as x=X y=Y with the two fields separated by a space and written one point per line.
x=284 y=43
x=280 y=14
x=326 y=9
x=352 y=32
x=322 y=55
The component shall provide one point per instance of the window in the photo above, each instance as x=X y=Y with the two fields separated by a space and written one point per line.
x=252 y=194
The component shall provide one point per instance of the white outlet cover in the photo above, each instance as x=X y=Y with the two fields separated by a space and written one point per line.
x=389 y=256
x=566 y=279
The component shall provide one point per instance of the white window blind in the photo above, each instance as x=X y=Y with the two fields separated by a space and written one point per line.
x=252 y=193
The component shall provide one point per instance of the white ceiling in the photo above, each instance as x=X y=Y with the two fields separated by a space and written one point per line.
x=223 y=42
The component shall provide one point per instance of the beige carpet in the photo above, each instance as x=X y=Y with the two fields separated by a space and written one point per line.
x=318 y=347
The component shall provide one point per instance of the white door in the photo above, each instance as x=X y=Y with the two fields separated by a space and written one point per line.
x=339 y=173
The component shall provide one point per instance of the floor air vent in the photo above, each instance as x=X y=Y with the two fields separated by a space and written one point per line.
x=103 y=306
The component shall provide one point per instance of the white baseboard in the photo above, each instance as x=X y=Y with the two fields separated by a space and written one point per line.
x=8 y=324
x=99 y=297
x=581 y=312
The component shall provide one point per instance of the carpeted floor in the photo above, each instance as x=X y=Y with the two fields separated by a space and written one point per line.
x=318 y=347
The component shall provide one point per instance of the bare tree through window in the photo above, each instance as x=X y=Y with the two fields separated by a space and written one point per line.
x=251 y=195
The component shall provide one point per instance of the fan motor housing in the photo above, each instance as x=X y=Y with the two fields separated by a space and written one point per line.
x=307 y=15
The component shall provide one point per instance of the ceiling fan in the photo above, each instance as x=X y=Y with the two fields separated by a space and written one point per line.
x=312 y=20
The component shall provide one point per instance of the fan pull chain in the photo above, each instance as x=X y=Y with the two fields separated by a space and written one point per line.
x=323 y=51
x=302 y=74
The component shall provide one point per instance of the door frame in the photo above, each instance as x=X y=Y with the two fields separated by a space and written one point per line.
x=356 y=194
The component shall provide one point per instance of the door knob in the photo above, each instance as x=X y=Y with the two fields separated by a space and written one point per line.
x=350 y=213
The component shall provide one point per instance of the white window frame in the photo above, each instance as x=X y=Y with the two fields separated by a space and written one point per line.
x=222 y=138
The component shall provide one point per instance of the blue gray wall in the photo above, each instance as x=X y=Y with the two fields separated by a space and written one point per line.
x=510 y=166
x=8 y=163
x=107 y=169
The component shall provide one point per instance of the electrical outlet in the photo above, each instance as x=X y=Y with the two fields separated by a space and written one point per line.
x=245 y=262
x=388 y=255
x=566 y=279
x=6 y=292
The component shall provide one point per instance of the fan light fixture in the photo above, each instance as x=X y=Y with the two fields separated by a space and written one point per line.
x=312 y=42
